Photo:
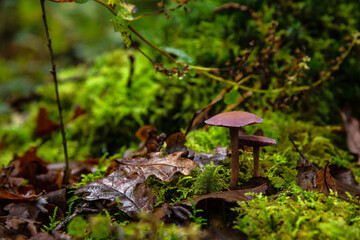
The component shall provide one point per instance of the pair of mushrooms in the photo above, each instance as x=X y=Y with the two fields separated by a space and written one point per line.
x=235 y=120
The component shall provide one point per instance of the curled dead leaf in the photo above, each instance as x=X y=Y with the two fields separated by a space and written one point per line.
x=324 y=181
x=176 y=143
x=44 y=126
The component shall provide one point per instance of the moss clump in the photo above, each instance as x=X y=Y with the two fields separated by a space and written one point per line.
x=210 y=180
x=298 y=214
x=101 y=227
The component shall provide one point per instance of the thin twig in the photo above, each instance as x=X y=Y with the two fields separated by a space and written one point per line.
x=53 y=73
x=111 y=9
x=156 y=12
x=152 y=45
x=296 y=147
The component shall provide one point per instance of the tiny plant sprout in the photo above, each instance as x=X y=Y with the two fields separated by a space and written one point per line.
x=256 y=142
x=234 y=120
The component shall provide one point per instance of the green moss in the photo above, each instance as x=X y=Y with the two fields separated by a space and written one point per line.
x=210 y=180
x=101 y=227
x=298 y=214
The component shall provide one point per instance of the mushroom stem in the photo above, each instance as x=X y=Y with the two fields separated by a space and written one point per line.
x=256 y=161
x=234 y=141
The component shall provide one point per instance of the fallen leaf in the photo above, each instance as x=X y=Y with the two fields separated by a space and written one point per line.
x=152 y=145
x=151 y=142
x=126 y=185
x=34 y=169
x=163 y=167
x=145 y=132
x=8 y=196
x=324 y=181
x=345 y=181
x=57 y=198
x=176 y=143
x=306 y=177
x=352 y=129
x=179 y=213
x=344 y=189
x=44 y=126
x=6 y=233
x=123 y=186
x=22 y=227
x=26 y=218
x=202 y=159
x=343 y=174
x=229 y=196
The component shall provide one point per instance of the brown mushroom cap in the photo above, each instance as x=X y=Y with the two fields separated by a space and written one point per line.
x=234 y=119
x=256 y=141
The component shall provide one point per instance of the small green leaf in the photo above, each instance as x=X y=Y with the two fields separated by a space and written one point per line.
x=121 y=25
x=182 y=56
x=81 y=1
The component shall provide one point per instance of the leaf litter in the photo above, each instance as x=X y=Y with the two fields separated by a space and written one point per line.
x=124 y=185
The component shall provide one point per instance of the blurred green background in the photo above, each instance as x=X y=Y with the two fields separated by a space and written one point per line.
x=93 y=67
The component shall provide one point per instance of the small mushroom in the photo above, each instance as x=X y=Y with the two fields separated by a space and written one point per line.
x=256 y=142
x=234 y=120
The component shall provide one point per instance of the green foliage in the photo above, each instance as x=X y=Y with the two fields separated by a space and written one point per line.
x=122 y=19
x=210 y=180
x=98 y=174
x=180 y=188
x=298 y=214
x=100 y=227
x=77 y=226
x=205 y=141
x=52 y=223
x=121 y=25
x=197 y=219
x=97 y=227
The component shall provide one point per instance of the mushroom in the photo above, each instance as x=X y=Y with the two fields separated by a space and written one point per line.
x=256 y=142
x=234 y=120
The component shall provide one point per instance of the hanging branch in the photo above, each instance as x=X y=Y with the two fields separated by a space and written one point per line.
x=53 y=73
x=206 y=71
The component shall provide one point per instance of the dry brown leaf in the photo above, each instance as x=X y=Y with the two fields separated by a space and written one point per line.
x=352 y=129
x=123 y=186
x=306 y=177
x=163 y=167
x=229 y=196
x=44 y=126
x=33 y=168
x=145 y=132
x=176 y=143
x=26 y=218
x=126 y=185
x=324 y=181
x=7 y=196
